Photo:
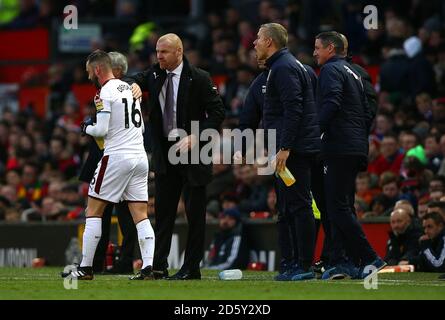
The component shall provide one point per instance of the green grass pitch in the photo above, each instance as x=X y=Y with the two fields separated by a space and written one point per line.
x=46 y=283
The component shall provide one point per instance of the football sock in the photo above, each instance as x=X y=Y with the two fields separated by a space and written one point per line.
x=91 y=237
x=146 y=237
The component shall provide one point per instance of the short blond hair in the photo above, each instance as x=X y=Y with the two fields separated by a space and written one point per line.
x=277 y=33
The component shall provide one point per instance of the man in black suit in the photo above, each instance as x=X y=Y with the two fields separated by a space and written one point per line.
x=179 y=94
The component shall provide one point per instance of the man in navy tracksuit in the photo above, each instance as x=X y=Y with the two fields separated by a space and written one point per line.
x=345 y=120
x=289 y=108
x=250 y=118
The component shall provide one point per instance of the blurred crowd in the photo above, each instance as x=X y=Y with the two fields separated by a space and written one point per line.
x=40 y=158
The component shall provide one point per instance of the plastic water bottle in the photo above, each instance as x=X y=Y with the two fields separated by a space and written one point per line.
x=284 y=174
x=234 y=274
x=287 y=177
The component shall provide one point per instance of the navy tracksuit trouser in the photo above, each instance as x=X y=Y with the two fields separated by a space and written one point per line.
x=287 y=235
x=347 y=235
x=295 y=204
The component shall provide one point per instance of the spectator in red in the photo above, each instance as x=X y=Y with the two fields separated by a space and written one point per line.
x=31 y=188
x=390 y=158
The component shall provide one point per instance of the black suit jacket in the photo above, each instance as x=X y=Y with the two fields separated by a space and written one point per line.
x=89 y=167
x=198 y=100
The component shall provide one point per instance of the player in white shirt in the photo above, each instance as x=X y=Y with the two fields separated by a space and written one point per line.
x=122 y=174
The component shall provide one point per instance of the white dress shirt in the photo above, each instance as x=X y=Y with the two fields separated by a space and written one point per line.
x=175 y=81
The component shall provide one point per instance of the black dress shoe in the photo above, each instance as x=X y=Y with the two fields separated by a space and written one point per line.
x=160 y=274
x=186 y=275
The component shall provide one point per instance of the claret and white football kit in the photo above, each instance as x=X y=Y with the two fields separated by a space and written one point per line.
x=122 y=174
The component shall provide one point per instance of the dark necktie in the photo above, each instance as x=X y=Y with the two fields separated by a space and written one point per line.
x=167 y=118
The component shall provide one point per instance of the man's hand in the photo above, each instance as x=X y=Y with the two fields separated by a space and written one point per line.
x=281 y=159
x=85 y=124
x=186 y=143
x=136 y=91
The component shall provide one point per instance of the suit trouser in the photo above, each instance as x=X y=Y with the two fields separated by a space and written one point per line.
x=129 y=233
x=347 y=235
x=169 y=187
x=296 y=203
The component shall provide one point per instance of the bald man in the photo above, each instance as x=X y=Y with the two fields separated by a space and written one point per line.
x=403 y=243
x=179 y=94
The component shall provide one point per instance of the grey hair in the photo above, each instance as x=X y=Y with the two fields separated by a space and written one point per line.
x=118 y=61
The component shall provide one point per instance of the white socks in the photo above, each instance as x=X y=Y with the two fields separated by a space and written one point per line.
x=146 y=238
x=91 y=237
x=93 y=232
